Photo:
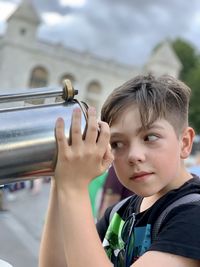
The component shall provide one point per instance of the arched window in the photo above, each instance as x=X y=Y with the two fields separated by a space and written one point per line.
x=93 y=92
x=94 y=87
x=38 y=78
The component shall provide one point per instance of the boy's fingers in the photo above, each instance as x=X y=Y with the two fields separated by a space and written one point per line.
x=104 y=136
x=76 y=135
x=60 y=135
x=92 y=127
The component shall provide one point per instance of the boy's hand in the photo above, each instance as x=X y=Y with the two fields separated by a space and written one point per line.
x=82 y=160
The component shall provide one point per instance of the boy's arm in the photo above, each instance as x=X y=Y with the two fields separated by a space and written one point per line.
x=81 y=241
x=157 y=259
x=77 y=164
x=51 y=247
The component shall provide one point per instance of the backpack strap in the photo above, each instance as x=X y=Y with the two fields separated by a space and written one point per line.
x=117 y=206
x=190 y=198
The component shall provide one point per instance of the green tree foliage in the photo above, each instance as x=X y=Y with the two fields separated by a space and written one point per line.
x=190 y=74
x=187 y=55
x=193 y=81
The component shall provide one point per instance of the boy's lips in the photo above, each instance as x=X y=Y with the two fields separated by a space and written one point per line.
x=140 y=175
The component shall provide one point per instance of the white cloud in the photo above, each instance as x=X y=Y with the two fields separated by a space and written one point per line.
x=52 y=18
x=72 y=2
x=123 y=30
x=6 y=8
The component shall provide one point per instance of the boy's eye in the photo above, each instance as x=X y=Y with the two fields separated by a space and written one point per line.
x=116 y=145
x=150 y=137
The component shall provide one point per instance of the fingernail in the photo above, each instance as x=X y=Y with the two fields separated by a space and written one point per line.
x=77 y=110
x=59 y=121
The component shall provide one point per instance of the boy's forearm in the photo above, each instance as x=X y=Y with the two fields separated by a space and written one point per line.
x=51 y=248
x=81 y=241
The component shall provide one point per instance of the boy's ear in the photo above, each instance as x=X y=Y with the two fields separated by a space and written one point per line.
x=187 y=142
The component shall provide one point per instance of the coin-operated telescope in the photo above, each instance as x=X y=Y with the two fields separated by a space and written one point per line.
x=27 y=134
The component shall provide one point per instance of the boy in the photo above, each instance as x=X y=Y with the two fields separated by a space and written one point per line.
x=150 y=138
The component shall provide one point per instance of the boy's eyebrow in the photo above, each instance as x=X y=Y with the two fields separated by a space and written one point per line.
x=138 y=130
x=116 y=134
x=155 y=125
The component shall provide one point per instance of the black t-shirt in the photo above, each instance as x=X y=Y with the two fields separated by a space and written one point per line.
x=179 y=233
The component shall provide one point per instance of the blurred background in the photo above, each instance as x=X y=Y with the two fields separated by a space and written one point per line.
x=97 y=44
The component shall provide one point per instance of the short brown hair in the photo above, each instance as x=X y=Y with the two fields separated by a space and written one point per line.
x=163 y=97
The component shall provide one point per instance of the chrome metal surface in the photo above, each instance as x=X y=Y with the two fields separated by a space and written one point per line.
x=30 y=94
x=27 y=139
x=67 y=93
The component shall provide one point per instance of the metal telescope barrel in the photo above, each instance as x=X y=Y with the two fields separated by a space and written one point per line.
x=67 y=92
x=28 y=147
x=37 y=93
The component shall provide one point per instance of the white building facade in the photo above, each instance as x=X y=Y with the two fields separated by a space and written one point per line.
x=27 y=62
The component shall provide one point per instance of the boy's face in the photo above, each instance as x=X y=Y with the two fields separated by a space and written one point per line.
x=148 y=162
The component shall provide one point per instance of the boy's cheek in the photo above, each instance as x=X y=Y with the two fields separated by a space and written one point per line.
x=117 y=163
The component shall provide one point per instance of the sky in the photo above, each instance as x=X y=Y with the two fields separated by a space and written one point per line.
x=125 y=31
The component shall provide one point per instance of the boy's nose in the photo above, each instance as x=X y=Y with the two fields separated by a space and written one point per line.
x=136 y=154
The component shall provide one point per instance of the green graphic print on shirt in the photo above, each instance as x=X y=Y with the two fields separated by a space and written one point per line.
x=113 y=242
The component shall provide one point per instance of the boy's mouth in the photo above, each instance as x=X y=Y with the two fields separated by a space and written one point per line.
x=140 y=175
